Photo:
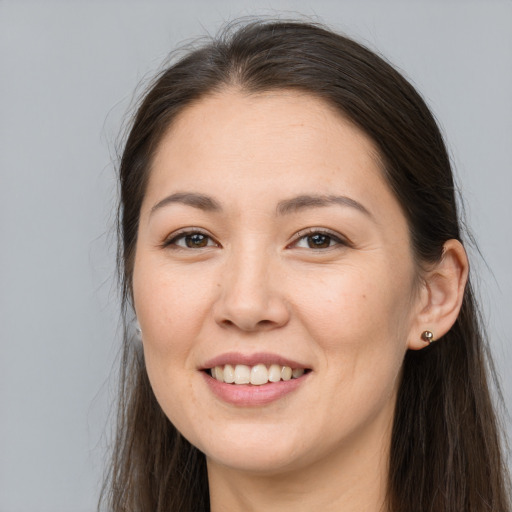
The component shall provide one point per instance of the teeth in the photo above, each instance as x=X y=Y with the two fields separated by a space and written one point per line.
x=256 y=375
x=259 y=375
x=274 y=373
x=297 y=372
x=286 y=373
x=242 y=374
x=218 y=373
x=229 y=374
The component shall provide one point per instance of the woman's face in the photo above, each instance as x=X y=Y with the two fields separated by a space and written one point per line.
x=268 y=239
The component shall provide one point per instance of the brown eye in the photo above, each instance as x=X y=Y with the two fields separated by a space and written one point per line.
x=196 y=240
x=318 y=241
x=191 y=240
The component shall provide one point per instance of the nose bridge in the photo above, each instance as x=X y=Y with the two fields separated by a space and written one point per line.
x=249 y=262
x=249 y=296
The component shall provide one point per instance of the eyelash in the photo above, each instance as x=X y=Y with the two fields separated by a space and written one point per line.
x=310 y=232
x=171 y=242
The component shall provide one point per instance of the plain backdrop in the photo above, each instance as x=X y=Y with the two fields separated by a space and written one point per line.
x=68 y=71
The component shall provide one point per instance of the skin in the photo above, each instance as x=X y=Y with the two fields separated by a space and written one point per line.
x=348 y=311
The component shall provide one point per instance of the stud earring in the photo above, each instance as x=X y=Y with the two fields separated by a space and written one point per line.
x=137 y=329
x=427 y=337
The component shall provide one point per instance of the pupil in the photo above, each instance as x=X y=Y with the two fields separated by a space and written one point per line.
x=319 y=241
x=196 y=240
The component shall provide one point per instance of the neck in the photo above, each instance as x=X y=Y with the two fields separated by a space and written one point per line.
x=350 y=479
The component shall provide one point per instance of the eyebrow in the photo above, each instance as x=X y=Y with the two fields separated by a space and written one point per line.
x=200 y=201
x=302 y=202
x=318 y=201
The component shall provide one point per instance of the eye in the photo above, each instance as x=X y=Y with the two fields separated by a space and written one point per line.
x=190 y=240
x=318 y=240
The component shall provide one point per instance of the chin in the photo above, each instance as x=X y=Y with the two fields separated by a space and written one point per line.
x=266 y=451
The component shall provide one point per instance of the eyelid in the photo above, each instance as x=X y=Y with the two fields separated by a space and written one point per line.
x=183 y=232
x=337 y=237
x=170 y=240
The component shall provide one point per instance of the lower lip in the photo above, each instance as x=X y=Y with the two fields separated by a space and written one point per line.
x=247 y=395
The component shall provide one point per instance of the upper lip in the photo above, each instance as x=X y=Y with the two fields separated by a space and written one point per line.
x=266 y=358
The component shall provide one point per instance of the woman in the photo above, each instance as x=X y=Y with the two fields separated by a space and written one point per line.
x=291 y=248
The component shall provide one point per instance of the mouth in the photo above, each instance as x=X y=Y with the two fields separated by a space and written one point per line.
x=253 y=380
x=256 y=375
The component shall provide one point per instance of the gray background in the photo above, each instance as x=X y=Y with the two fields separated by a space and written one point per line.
x=67 y=75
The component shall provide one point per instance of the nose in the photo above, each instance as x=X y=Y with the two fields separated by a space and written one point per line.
x=250 y=298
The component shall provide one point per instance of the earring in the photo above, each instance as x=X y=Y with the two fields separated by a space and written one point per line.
x=138 y=330
x=427 y=337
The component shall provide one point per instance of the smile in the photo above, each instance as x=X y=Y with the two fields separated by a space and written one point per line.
x=249 y=380
x=257 y=375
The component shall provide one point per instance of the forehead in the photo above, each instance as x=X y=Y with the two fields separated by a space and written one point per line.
x=286 y=132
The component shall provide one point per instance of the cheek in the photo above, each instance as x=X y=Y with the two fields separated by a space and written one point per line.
x=168 y=307
x=360 y=324
x=360 y=321
x=171 y=305
x=351 y=306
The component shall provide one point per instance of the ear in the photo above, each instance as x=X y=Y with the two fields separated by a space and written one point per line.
x=441 y=295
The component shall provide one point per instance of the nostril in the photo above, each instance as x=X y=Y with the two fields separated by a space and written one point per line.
x=250 y=313
x=247 y=325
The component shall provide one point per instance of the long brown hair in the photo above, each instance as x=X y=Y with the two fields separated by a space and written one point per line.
x=446 y=453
